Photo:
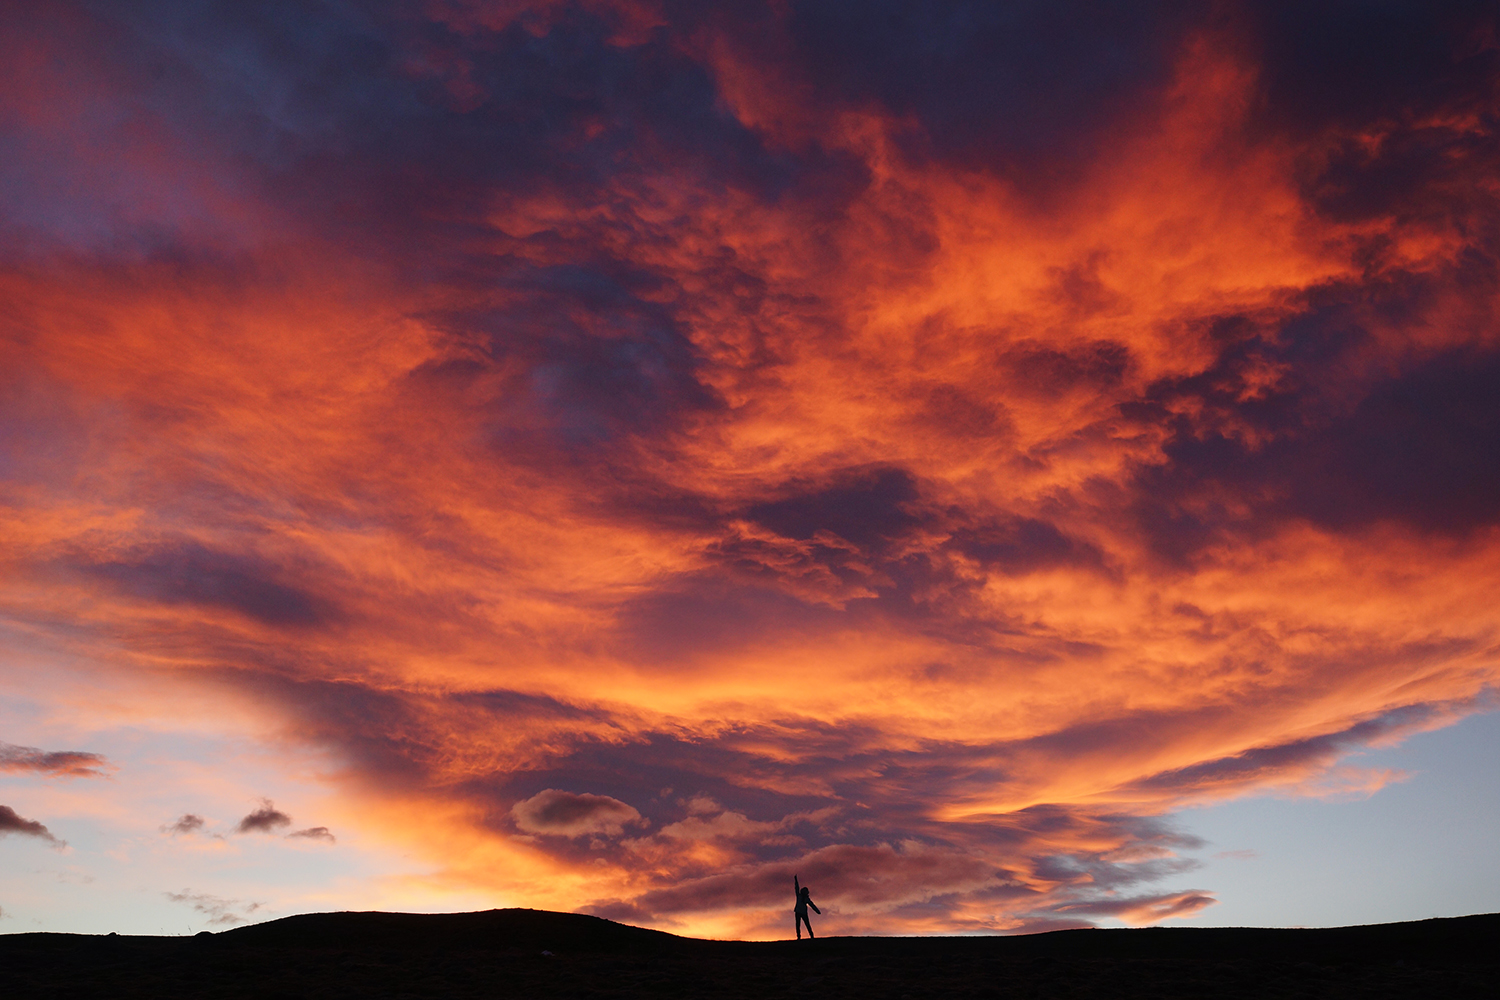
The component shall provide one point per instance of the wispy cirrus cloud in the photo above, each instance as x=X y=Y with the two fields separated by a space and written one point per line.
x=219 y=911
x=186 y=823
x=321 y=833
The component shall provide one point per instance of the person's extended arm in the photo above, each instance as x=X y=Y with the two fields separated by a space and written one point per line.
x=815 y=907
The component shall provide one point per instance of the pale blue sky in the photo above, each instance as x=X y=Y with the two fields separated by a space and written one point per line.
x=1423 y=847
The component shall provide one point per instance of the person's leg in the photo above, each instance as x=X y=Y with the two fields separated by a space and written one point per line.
x=797 y=923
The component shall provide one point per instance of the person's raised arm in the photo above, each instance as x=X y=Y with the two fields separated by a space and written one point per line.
x=796 y=889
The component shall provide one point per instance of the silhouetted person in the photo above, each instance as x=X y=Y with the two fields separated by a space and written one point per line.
x=803 y=895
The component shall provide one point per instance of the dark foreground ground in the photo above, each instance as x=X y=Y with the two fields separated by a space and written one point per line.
x=500 y=953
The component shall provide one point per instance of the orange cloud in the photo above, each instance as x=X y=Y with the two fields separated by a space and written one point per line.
x=654 y=467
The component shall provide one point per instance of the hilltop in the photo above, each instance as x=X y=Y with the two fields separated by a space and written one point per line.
x=531 y=953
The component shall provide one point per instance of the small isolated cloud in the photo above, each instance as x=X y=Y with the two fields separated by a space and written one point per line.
x=217 y=909
x=266 y=819
x=1242 y=855
x=186 y=823
x=573 y=814
x=315 y=833
x=10 y=822
x=55 y=763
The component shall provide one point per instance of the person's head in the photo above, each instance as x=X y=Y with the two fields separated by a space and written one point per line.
x=806 y=892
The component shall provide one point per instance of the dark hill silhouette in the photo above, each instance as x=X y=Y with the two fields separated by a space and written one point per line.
x=536 y=953
x=511 y=928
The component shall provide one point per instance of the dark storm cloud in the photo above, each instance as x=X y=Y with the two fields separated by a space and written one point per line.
x=709 y=614
x=387 y=119
x=1050 y=371
x=1019 y=545
x=391 y=130
x=398 y=739
x=863 y=506
x=1420 y=448
x=1423 y=448
x=1421 y=172
x=190 y=573
x=586 y=352
x=992 y=85
x=10 y=822
x=67 y=763
x=1403 y=95
x=853 y=539
x=1350 y=63
x=411 y=119
x=266 y=819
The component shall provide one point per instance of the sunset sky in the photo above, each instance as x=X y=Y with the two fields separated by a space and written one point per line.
x=1012 y=465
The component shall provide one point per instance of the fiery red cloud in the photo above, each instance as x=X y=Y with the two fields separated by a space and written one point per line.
x=660 y=447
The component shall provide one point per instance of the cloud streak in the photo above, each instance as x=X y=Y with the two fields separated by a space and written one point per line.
x=219 y=911
x=54 y=763
x=314 y=833
x=10 y=822
x=657 y=449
